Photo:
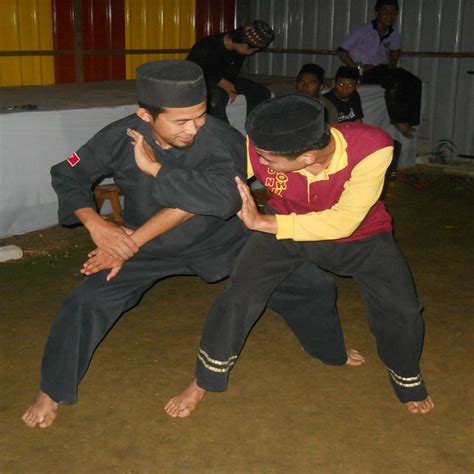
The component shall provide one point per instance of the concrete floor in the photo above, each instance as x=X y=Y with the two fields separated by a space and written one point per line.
x=284 y=412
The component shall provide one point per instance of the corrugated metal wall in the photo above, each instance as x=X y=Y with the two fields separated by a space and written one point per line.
x=157 y=24
x=214 y=16
x=70 y=32
x=63 y=35
x=103 y=28
x=26 y=25
x=427 y=26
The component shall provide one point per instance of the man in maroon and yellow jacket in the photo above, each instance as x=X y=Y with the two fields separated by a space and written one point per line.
x=325 y=185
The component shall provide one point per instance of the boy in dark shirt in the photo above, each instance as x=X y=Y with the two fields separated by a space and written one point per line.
x=310 y=81
x=344 y=95
x=221 y=57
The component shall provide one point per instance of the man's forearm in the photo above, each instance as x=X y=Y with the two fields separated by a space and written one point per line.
x=161 y=222
x=346 y=58
x=394 y=57
x=88 y=216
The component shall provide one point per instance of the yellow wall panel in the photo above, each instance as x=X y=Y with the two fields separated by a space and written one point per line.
x=157 y=24
x=26 y=25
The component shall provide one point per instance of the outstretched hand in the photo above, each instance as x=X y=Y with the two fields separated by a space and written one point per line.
x=249 y=213
x=145 y=157
x=113 y=239
x=100 y=260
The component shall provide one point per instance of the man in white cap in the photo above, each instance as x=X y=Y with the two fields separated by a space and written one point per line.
x=221 y=57
x=325 y=183
x=177 y=177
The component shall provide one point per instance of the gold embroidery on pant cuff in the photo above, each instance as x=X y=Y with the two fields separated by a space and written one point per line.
x=209 y=362
x=215 y=361
x=214 y=369
x=399 y=380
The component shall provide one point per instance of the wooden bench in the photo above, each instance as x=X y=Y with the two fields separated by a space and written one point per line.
x=112 y=193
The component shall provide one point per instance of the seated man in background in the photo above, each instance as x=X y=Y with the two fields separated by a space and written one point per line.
x=375 y=47
x=221 y=57
x=310 y=81
x=344 y=95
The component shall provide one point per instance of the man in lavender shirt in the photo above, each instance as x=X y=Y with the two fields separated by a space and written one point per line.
x=376 y=47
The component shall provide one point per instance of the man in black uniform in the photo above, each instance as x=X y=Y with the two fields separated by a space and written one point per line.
x=221 y=57
x=180 y=213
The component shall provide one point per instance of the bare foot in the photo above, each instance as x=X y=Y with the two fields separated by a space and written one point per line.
x=185 y=403
x=42 y=413
x=420 y=407
x=354 y=357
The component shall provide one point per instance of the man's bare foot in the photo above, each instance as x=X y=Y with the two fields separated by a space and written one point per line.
x=420 y=407
x=42 y=413
x=354 y=357
x=185 y=403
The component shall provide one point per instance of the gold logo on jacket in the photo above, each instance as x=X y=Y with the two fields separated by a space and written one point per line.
x=276 y=184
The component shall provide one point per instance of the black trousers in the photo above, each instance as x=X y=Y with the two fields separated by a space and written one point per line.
x=402 y=92
x=218 y=98
x=375 y=263
x=94 y=306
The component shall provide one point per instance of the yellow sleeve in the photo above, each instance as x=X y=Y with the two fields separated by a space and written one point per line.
x=250 y=173
x=360 y=193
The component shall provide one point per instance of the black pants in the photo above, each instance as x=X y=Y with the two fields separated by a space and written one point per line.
x=94 y=306
x=377 y=266
x=402 y=92
x=217 y=97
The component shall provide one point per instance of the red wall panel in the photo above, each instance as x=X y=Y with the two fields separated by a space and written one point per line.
x=103 y=28
x=100 y=24
x=63 y=38
x=214 y=16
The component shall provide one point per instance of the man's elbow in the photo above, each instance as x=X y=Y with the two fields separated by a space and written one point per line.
x=228 y=208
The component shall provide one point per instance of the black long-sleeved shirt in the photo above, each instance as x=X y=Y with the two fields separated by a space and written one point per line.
x=216 y=61
x=198 y=179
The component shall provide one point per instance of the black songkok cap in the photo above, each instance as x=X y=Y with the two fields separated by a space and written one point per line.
x=170 y=83
x=287 y=123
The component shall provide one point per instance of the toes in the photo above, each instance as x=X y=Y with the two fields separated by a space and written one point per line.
x=184 y=412
x=30 y=419
x=426 y=405
x=422 y=407
x=413 y=407
x=169 y=405
x=172 y=408
x=46 y=421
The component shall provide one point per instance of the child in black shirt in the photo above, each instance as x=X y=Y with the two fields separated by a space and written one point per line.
x=344 y=95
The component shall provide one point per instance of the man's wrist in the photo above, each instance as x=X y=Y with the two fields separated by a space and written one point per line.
x=267 y=223
x=155 y=169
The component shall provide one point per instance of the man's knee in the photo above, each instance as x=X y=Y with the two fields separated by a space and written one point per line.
x=90 y=292
x=217 y=98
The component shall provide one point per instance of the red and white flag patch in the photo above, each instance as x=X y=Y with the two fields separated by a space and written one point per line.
x=74 y=159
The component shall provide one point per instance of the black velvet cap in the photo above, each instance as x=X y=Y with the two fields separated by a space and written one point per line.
x=170 y=83
x=287 y=123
